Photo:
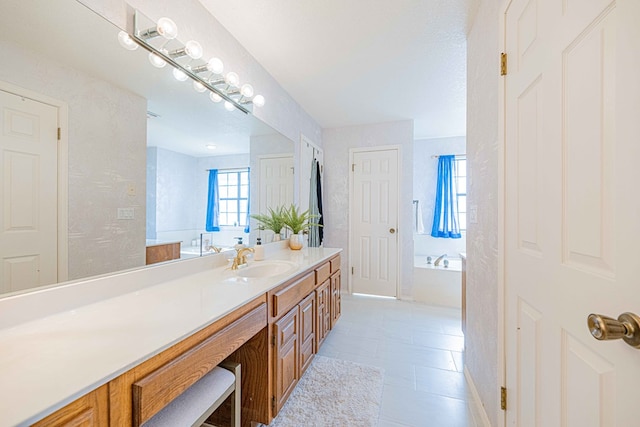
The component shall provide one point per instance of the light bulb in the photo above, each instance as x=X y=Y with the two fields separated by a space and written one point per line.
x=246 y=90
x=215 y=97
x=232 y=79
x=193 y=49
x=215 y=65
x=179 y=75
x=229 y=106
x=126 y=41
x=198 y=87
x=156 y=61
x=167 y=28
x=210 y=146
x=258 y=101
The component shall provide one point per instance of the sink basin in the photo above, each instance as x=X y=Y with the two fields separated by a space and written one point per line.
x=266 y=269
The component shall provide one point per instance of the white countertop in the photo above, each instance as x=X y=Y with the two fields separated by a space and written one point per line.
x=48 y=362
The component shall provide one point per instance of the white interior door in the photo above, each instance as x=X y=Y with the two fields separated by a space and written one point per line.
x=276 y=182
x=374 y=221
x=572 y=123
x=28 y=238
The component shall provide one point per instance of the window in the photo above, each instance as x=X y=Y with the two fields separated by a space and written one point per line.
x=233 y=187
x=461 y=187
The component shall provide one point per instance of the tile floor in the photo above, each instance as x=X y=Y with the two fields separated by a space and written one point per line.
x=419 y=347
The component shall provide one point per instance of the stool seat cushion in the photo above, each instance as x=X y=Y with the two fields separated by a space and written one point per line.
x=187 y=408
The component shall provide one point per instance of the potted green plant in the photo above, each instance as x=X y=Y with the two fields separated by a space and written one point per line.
x=299 y=223
x=273 y=220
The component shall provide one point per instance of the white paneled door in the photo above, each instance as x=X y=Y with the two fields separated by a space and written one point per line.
x=28 y=216
x=572 y=219
x=276 y=182
x=374 y=222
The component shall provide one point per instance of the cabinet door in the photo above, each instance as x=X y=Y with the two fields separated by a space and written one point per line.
x=91 y=409
x=324 y=320
x=336 y=303
x=287 y=356
x=307 y=331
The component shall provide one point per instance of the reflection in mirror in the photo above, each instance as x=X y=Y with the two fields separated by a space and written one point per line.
x=82 y=209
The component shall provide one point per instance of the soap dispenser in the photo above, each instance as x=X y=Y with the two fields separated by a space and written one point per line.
x=238 y=245
x=258 y=251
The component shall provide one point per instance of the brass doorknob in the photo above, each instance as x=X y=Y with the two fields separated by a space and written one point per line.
x=392 y=230
x=626 y=327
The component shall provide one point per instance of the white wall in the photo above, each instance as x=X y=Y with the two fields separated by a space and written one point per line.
x=425 y=176
x=107 y=143
x=336 y=144
x=177 y=194
x=481 y=343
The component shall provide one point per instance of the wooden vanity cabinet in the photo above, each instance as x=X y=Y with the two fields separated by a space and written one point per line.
x=92 y=409
x=323 y=298
x=162 y=252
x=287 y=356
x=274 y=337
x=307 y=331
x=336 y=301
x=313 y=304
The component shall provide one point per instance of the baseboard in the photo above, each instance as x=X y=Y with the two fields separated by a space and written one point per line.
x=484 y=419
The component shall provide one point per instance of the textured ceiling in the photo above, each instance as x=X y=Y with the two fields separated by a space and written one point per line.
x=349 y=62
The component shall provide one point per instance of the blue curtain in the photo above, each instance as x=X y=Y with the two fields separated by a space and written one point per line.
x=213 y=203
x=246 y=229
x=445 y=215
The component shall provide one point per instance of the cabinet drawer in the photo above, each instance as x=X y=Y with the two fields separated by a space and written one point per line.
x=335 y=264
x=291 y=295
x=156 y=390
x=323 y=272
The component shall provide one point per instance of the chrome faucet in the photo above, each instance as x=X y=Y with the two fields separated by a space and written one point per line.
x=437 y=261
x=240 y=259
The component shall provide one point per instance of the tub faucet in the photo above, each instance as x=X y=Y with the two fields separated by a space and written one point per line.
x=437 y=261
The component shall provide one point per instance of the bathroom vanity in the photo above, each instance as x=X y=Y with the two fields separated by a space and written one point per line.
x=115 y=350
x=158 y=251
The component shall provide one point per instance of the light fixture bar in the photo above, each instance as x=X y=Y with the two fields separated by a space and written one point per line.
x=139 y=35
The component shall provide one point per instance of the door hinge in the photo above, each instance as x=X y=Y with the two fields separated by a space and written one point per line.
x=273 y=403
x=273 y=340
x=503 y=64
x=352 y=272
x=353 y=167
x=503 y=398
x=59 y=133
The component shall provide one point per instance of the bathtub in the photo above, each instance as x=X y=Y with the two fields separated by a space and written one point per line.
x=437 y=285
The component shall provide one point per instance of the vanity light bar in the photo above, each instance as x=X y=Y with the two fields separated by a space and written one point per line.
x=235 y=98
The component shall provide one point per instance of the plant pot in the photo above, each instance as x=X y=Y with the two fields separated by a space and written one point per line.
x=296 y=241
x=276 y=237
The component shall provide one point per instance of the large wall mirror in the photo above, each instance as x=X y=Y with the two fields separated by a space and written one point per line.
x=135 y=149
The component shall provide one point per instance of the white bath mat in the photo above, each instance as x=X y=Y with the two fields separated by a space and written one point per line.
x=334 y=393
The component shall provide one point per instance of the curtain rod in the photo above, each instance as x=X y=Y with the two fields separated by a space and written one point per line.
x=454 y=155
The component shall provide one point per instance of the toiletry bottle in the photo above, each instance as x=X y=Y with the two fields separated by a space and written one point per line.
x=258 y=251
x=239 y=245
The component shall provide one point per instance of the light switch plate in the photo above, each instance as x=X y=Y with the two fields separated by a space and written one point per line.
x=473 y=214
x=126 y=213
